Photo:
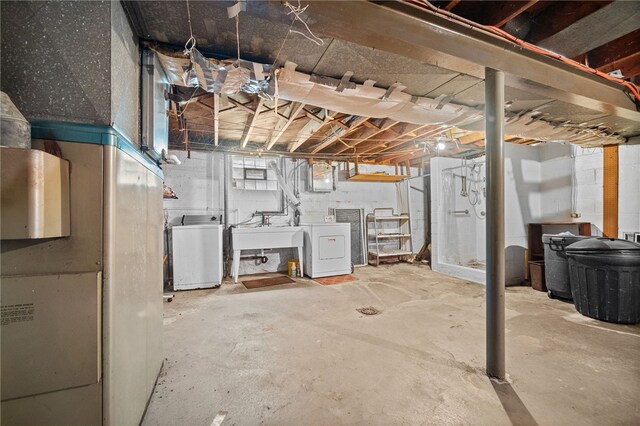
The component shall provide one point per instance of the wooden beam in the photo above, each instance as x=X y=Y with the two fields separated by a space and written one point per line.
x=251 y=121
x=392 y=150
x=216 y=118
x=471 y=138
x=313 y=116
x=409 y=132
x=365 y=134
x=339 y=133
x=615 y=50
x=244 y=107
x=449 y=6
x=280 y=108
x=629 y=66
x=311 y=130
x=499 y=13
x=283 y=125
x=610 y=191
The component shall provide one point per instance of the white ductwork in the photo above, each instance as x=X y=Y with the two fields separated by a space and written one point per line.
x=365 y=100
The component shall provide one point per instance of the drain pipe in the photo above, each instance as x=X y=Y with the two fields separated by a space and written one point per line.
x=495 y=275
x=226 y=231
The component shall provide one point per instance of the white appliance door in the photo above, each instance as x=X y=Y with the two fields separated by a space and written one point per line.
x=331 y=247
x=196 y=257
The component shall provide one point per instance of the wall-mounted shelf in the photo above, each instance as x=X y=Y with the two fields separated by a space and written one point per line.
x=376 y=177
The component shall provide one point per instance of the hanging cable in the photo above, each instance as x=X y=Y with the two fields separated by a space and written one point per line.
x=296 y=11
x=497 y=32
x=191 y=43
x=238 y=34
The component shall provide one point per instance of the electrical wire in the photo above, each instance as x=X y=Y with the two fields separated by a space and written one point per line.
x=531 y=47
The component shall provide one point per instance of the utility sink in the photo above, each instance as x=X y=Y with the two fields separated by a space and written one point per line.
x=265 y=237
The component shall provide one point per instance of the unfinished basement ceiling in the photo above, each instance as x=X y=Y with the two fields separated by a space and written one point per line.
x=263 y=28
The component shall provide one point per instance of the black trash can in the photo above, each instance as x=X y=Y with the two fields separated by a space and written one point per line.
x=556 y=266
x=605 y=279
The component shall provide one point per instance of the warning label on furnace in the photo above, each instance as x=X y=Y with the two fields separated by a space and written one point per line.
x=10 y=314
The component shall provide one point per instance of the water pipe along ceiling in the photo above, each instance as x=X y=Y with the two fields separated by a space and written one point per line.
x=337 y=99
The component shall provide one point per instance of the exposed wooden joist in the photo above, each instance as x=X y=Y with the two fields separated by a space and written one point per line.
x=629 y=66
x=244 y=107
x=408 y=132
x=615 y=50
x=365 y=134
x=603 y=26
x=251 y=121
x=499 y=13
x=313 y=116
x=471 y=138
x=338 y=133
x=449 y=6
x=216 y=118
x=283 y=125
x=394 y=150
x=311 y=130
x=280 y=108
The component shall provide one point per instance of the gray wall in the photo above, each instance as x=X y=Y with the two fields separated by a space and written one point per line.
x=73 y=61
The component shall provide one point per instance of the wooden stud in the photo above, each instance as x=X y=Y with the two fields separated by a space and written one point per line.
x=610 y=191
x=251 y=121
x=283 y=125
x=216 y=118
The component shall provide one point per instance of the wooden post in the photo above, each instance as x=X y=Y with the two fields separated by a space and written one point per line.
x=610 y=191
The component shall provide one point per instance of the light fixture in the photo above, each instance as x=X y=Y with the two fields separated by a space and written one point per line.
x=441 y=145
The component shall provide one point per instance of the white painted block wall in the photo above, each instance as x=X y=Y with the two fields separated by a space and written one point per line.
x=538 y=188
x=522 y=205
x=199 y=184
x=556 y=166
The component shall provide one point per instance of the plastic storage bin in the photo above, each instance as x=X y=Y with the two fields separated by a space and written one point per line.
x=605 y=279
x=556 y=271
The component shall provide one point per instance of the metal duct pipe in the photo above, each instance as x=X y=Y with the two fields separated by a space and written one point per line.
x=494 y=140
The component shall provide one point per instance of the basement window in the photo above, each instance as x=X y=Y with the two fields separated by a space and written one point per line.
x=250 y=173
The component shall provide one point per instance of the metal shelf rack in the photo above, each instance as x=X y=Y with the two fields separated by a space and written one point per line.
x=385 y=241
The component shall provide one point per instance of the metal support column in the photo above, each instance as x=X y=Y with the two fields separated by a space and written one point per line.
x=494 y=141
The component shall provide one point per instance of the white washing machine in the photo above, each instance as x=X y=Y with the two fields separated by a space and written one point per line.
x=327 y=249
x=197 y=256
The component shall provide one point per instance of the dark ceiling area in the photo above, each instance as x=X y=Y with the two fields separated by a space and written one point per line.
x=601 y=34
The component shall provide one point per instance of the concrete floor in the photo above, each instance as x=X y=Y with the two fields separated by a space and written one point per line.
x=301 y=354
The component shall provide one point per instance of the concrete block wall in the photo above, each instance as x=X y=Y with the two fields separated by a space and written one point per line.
x=629 y=189
x=563 y=166
x=199 y=184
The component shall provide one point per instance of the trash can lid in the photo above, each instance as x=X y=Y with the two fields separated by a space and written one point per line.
x=602 y=244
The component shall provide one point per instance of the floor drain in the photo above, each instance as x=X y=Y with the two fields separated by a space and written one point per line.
x=368 y=310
